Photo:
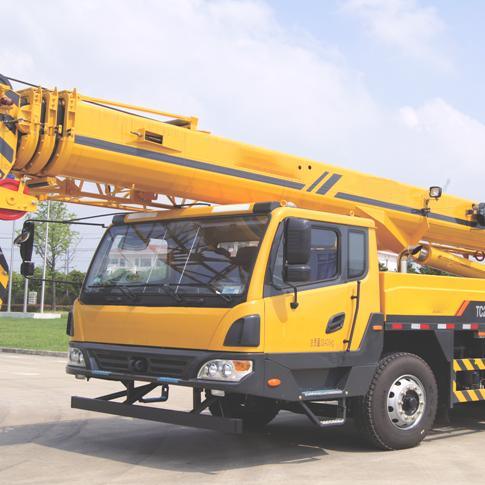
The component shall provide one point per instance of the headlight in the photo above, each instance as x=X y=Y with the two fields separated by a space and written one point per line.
x=76 y=357
x=225 y=370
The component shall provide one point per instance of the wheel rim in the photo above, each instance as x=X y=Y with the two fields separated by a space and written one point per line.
x=406 y=402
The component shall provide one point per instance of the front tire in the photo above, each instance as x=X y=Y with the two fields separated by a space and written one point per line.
x=400 y=407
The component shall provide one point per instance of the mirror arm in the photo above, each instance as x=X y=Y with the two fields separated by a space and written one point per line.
x=73 y=222
x=64 y=282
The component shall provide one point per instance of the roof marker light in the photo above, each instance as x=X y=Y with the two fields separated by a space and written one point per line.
x=231 y=208
x=136 y=216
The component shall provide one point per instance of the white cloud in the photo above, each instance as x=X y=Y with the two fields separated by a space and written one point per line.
x=448 y=143
x=402 y=24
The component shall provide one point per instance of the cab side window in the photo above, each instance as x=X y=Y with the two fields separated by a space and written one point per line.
x=324 y=259
x=357 y=254
x=324 y=256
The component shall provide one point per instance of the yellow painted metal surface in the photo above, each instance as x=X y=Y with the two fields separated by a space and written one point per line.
x=106 y=143
x=9 y=109
x=17 y=200
x=414 y=294
x=304 y=329
x=282 y=328
x=448 y=262
x=168 y=327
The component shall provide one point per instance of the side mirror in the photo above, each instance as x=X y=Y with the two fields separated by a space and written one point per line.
x=26 y=242
x=27 y=269
x=297 y=250
x=297 y=273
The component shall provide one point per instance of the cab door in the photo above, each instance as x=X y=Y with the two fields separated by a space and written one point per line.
x=323 y=317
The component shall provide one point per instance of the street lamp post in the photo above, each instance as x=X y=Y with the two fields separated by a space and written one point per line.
x=26 y=295
x=10 y=271
x=44 y=269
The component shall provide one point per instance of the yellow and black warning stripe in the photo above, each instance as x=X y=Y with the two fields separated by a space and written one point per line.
x=463 y=365
x=467 y=365
x=3 y=278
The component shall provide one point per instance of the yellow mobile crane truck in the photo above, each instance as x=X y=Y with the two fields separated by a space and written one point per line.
x=257 y=304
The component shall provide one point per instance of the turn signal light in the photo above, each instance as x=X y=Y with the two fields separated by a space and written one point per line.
x=242 y=365
x=274 y=382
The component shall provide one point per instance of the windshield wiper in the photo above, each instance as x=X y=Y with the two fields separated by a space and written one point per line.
x=211 y=287
x=167 y=288
x=123 y=289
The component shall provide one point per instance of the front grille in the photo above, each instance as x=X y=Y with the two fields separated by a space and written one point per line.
x=158 y=365
x=112 y=361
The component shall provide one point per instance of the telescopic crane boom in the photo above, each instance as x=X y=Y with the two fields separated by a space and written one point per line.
x=54 y=142
x=255 y=305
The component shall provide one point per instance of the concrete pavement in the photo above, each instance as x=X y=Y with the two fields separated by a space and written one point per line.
x=42 y=440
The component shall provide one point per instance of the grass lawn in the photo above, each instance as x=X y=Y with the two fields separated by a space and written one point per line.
x=29 y=333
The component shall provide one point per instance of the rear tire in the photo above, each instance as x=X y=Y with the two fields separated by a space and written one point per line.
x=400 y=407
x=255 y=412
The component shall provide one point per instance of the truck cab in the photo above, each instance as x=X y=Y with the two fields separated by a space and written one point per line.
x=264 y=300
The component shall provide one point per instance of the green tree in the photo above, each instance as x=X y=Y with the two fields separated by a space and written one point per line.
x=62 y=239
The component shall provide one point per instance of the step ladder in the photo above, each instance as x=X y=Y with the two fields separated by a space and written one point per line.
x=327 y=421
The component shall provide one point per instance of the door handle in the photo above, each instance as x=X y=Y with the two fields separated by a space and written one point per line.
x=335 y=323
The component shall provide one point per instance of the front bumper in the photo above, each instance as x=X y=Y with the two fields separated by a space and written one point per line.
x=164 y=366
x=181 y=418
x=304 y=377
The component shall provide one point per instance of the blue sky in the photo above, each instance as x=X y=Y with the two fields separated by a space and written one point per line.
x=391 y=75
x=387 y=87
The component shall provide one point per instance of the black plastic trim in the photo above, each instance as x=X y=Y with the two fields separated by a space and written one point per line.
x=299 y=372
x=118 y=219
x=244 y=332
x=265 y=207
x=70 y=324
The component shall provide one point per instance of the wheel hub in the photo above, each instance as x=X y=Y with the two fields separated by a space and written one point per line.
x=406 y=402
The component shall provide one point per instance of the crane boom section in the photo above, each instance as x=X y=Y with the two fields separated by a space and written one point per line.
x=66 y=135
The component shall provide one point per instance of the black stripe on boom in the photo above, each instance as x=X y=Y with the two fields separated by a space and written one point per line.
x=329 y=184
x=403 y=208
x=6 y=150
x=184 y=162
x=13 y=96
x=319 y=179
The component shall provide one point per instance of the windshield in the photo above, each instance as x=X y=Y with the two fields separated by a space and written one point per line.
x=206 y=261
